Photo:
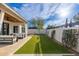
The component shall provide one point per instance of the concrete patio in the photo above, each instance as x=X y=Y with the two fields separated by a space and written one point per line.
x=10 y=49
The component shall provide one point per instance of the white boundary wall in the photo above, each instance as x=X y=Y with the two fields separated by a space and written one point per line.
x=36 y=31
x=59 y=34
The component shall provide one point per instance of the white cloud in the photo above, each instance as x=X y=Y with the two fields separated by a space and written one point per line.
x=65 y=10
x=61 y=18
x=28 y=12
x=48 y=9
x=57 y=22
x=33 y=10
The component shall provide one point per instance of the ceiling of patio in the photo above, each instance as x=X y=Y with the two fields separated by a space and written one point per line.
x=11 y=18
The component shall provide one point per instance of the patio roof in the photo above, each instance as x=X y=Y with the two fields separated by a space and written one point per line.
x=11 y=12
x=10 y=18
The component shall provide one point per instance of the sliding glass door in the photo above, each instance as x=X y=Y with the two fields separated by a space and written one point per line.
x=5 y=29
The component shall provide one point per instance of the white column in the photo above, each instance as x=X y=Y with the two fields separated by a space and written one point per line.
x=20 y=28
x=26 y=29
x=1 y=19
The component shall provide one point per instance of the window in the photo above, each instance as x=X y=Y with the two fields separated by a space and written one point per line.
x=23 y=29
x=5 y=29
x=15 y=29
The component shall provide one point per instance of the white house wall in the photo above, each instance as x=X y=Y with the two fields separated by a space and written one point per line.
x=11 y=24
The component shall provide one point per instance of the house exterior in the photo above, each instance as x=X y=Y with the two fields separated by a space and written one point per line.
x=11 y=22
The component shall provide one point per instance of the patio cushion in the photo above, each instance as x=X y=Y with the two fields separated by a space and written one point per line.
x=7 y=38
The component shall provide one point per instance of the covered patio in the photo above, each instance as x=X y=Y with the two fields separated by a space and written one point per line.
x=12 y=25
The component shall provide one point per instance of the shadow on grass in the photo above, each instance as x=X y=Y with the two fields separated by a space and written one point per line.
x=37 y=51
x=49 y=46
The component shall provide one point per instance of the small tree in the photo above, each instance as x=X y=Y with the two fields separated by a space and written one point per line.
x=33 y=22
x=38 y=22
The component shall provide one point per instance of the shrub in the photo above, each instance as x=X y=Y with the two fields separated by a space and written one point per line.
x=69 y=38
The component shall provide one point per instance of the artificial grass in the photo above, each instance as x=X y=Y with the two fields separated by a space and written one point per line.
x=42 y=44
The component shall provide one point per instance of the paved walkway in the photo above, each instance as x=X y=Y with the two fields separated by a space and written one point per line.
x=9 y=49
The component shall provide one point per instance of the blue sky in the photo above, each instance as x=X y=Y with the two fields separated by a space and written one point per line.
x=52 y=13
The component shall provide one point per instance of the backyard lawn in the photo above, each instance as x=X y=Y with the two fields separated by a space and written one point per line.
x=41 y=44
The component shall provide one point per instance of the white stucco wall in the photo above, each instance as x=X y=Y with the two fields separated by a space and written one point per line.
x=11 y=24
x=59 y=34
x=50 y=32
x=36 y=31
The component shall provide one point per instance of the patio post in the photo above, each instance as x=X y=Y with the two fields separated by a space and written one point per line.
x=1 y=19
x=26 y=30
x=20 y=28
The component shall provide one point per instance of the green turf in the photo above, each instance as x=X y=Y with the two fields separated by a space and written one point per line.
x=41 y=44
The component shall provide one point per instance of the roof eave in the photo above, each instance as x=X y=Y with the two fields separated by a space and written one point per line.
x=14 y=12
